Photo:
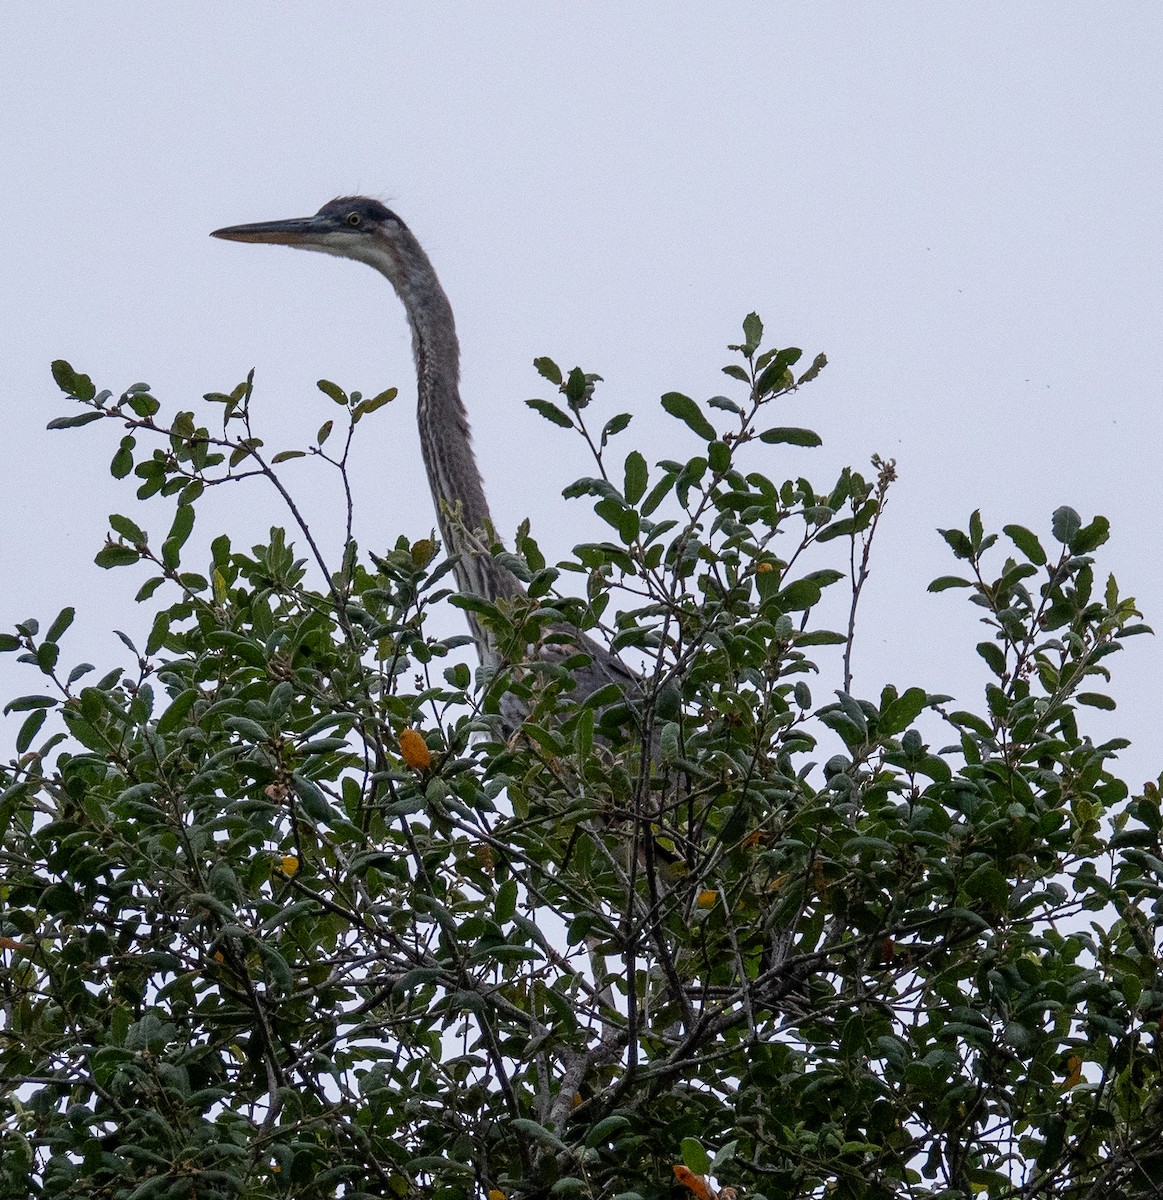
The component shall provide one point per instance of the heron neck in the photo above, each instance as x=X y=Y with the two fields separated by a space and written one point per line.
x=446 y=444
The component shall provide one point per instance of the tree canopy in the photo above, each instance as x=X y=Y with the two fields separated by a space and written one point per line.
x=285 y=913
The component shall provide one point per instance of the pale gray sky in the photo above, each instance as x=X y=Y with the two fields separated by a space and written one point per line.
x=958 y=203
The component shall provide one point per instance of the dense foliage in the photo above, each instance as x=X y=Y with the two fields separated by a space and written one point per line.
x=284 y=913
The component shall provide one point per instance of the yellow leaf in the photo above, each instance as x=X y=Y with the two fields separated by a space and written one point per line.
x=707 y=898
x=496 y=1194
x=288 y=864
x=415 y=751
x=1073 y=1071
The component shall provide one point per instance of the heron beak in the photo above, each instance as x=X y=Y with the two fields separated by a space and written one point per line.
x=296 y=232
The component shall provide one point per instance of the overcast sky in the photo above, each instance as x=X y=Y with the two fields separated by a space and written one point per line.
x=959 y=204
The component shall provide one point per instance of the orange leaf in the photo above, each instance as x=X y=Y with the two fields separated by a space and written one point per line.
x=696 y=1183
x=707 y=898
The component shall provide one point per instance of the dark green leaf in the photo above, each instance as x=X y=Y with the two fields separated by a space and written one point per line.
x=1091 y=536
x=752 y=333
x=944 y=582
x=114 y=555
x=28 y=703
x=314 y=802
x=548 y=369
x=29 y=730
x=1026 y=542
x=550 y=412
x=686 y=410
x=71 y=382
x=122 y=463
x=1065 y=523
x=791 y=436
x=615 y=425
x=58 y=627
x=74 y=422
x=636 y=477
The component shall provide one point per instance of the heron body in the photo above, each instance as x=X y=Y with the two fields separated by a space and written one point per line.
x=365 y=230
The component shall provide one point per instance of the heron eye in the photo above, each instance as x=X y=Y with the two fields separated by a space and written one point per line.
x=353 y=219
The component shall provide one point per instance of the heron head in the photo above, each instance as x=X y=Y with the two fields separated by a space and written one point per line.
x=349 y=226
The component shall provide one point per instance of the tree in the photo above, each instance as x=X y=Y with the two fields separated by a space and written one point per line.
x=285 y=914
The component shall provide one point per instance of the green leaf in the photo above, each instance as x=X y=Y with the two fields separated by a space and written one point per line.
x=333 y=390
x=791 y=436
x=1096 y=700
x=550 y=412
x=695 y=1157
x=736 y=372
x=176 y=538
x=1026 y=542
x=548 y=369
x=685 y=409
x=752 y=333
x=375 y=403
x=958 y=542
x=74 y=422
x=28 y=703
x=172 y=718
x=818 y=364
x=122 y=463
x=944 y=582
x=637 y=476
x=777 y=375
x=989 y=884
x=900 y=713
x=539 y=1133
x=804 y=593
x=615 y=425
x=506 y=904
x=143 y=406
x=286 y=455
x=605 y=1129
x=583 y=733
x=114 y=555
x=1065 y=523
x=29 y=730
x=311 y=797
x=182 y=525
x=58 y=627
x=993 y=656
x=1091 y=536
x=324 y=432
x=719 y=456
x=72 y=383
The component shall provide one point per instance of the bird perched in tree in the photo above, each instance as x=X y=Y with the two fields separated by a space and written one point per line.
x=365 y=230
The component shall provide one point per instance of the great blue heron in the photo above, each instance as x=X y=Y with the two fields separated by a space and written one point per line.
x=363 y=229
